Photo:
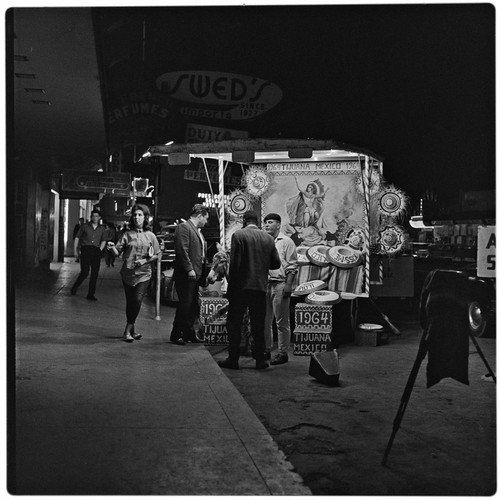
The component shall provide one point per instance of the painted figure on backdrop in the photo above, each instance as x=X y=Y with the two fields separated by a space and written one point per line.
x=306 y=208
x=305 y=213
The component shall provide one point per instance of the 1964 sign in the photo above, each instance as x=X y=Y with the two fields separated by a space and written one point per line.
x=313 y=317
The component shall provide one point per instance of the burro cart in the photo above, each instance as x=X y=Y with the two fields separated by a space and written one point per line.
x=344 y=217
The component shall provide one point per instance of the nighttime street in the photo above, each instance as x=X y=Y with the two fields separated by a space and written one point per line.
x=296 y=207
x=159 y=419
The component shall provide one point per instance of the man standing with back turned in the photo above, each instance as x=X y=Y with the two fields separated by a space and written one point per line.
x=90 y=240
x=253 y=253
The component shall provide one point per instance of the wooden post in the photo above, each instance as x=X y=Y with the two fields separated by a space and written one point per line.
x=158 y=283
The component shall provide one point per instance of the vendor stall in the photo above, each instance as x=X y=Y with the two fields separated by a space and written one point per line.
x=334 y=204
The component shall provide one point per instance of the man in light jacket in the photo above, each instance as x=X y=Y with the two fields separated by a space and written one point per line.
x=279 y=290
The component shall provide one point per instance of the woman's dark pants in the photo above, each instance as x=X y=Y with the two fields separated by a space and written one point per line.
x=134 y=295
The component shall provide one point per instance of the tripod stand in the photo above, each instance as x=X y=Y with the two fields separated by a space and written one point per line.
x=422 y=352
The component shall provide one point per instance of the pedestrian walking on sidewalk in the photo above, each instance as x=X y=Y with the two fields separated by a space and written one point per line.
x=111 y=235
x=140 y=248
x=253 y=253
x=279 y=289
x=189 y=272
x=77 y=227
x=89 y=243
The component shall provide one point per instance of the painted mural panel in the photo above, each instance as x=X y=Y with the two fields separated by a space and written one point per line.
x=323 y=211
x=316 y=201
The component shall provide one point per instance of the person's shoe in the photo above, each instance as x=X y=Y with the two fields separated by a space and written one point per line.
x=177 y=341
x=91 y=297
x=73 y=291
x=190 y=336
x=261 y=364
x=193 y=340
x=280 y=358
x=267 y=355
x=137 y=336
x=128 y=338
x=228 y=363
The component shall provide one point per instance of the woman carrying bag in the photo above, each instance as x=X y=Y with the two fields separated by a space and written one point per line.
x=140 y=248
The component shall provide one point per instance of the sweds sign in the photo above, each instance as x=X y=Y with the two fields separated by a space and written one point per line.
x=486 y=251
x=223 y=96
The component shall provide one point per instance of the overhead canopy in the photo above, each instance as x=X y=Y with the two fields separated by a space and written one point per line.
x=260 y=151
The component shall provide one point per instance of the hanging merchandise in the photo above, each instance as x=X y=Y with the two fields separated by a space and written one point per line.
x=374 y=182
x=257 y=181
x=239 y=202
x=392 y=240
x=355 y=238
x=392 y=202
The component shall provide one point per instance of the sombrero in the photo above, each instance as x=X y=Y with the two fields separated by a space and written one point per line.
x=370 y=327
x=302 y=259
x=344 y=257
x=318 y=255
x=309 y=287
x=323 y=298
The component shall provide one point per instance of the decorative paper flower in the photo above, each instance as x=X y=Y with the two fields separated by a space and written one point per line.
x=257 y=181
x=374 y=182
x=391 y=240
x=392 y=201
x=355 y=238
x=239 y=202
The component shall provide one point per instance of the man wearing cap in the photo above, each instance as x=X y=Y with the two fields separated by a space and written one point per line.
x=279 y=289
x=253 y=253
x=190 y=255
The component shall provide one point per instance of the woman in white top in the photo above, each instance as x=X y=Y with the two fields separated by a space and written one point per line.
x=140 y=248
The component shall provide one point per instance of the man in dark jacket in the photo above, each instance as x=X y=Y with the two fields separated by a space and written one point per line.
x=253 y=253
x=190 y=259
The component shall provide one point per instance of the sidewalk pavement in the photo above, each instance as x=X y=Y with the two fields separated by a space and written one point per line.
x=97 y=416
